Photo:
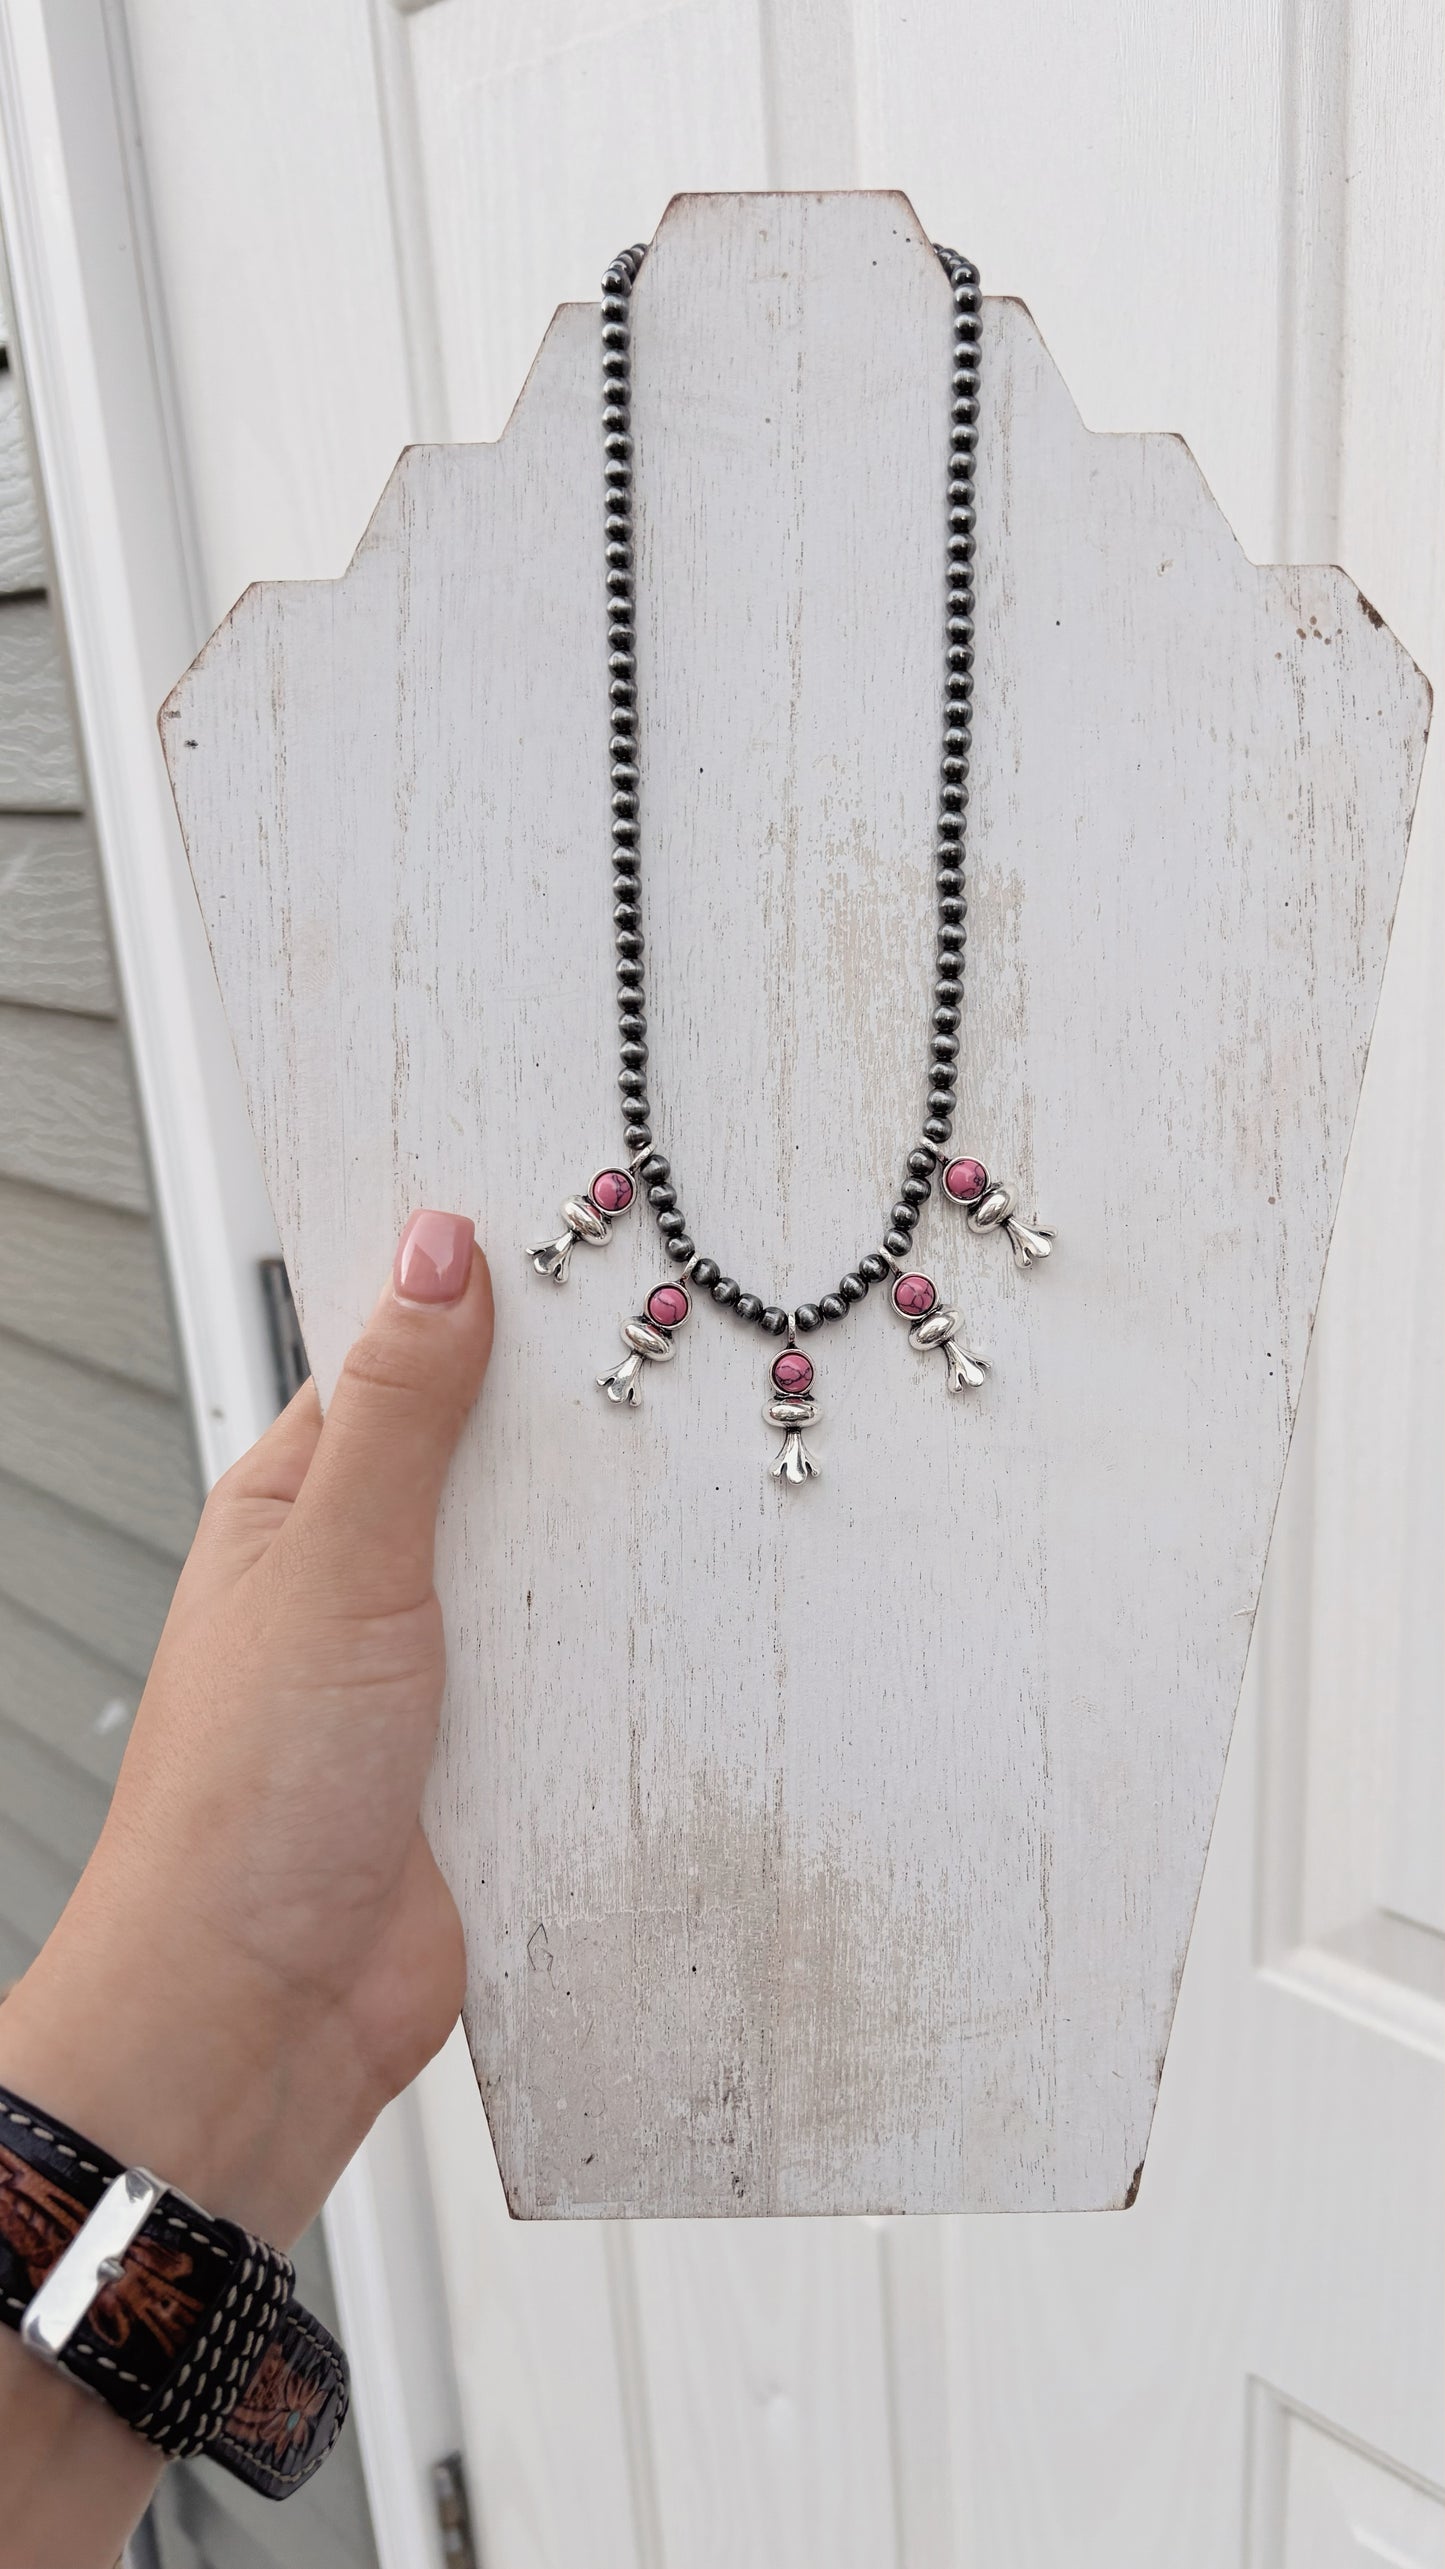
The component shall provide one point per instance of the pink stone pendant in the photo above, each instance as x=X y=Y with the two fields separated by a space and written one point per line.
x=915 y=1299
x=648 y=1339
x=792 y=1408
x=990 y=1207
x=587 y=1217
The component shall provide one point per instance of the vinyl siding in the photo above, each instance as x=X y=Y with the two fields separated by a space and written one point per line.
x=99 y=1492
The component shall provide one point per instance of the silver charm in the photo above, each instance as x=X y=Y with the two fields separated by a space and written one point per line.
x=990 y=1207
x=792 y=1408
x=915 y=1298
x=648 y=1337
x=588 y=1217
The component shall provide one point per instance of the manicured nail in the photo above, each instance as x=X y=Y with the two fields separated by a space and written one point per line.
x=433 y=1258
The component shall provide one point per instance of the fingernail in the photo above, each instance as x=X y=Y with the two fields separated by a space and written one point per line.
x=433 y=1258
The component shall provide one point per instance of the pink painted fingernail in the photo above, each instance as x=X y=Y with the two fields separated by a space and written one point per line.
x=433 y=1258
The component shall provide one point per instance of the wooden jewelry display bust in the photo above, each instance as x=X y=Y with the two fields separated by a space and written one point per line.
x=829 y=1850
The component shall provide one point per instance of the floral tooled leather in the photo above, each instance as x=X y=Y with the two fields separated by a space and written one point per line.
x=38 y=2220
x=198 y=2342
x=290 y=2412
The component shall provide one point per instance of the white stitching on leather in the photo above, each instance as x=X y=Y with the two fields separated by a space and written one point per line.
x=32 y=2123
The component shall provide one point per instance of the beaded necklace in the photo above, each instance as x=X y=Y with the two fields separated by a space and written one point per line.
x=988 y=1206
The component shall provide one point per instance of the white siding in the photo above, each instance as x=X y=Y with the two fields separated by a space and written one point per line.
x=99 y=1489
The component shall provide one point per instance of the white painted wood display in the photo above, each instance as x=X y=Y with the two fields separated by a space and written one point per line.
x=829 y=1850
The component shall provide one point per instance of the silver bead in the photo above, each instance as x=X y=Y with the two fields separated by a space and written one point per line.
x=933 y=1331
x=992 y=1208
x=652 y=1343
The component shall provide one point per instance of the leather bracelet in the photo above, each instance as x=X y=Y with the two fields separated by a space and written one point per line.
x=182 y=2322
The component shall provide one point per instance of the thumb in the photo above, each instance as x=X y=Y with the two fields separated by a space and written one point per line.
x=366 y=1511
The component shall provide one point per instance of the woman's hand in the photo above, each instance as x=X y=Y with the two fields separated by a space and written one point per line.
x=261 y=1950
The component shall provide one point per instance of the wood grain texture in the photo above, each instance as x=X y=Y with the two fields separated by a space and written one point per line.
x=548 y=2369
x=54 y=940
x=87 y=1281
x=836 y=1855
x=39 y=766
x=795 y=2330
x=22 y=546
x=110 y=1448
x=70 y=1119
x=92 y=1585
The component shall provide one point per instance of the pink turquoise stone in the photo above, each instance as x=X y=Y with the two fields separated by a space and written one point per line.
x=965 y=1180
x=915 y=1296
x=612 y=1191
x=667 y=1305
x=793 y=1372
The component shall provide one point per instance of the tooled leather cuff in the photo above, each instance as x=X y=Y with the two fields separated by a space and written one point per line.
x=192 y=2334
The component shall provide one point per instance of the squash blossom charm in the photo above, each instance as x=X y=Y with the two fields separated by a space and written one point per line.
x=648 y=1337
x=990 y=1207
x=792 y=1408
x=915 y=1298
x=587 y=1217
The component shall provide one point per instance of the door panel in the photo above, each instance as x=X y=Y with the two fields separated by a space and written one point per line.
x=1227 y=222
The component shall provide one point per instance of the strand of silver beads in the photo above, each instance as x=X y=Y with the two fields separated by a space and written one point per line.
x=654 y=1171
x=987 y=1205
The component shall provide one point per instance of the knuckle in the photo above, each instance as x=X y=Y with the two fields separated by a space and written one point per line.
x=382 y=1365
x=223 y=1501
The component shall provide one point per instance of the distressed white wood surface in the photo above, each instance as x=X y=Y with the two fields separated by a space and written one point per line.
x=863 y=1833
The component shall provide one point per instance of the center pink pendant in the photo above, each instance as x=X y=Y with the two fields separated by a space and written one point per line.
x=792 y=1408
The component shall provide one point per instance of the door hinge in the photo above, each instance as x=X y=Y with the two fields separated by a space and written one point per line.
x=454 y=2514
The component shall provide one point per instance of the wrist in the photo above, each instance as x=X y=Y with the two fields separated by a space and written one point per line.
x=174 y=2053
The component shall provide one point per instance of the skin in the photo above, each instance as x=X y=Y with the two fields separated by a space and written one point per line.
x=261 y=1951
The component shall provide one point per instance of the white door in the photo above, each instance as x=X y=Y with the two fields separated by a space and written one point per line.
x=1228 y=221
